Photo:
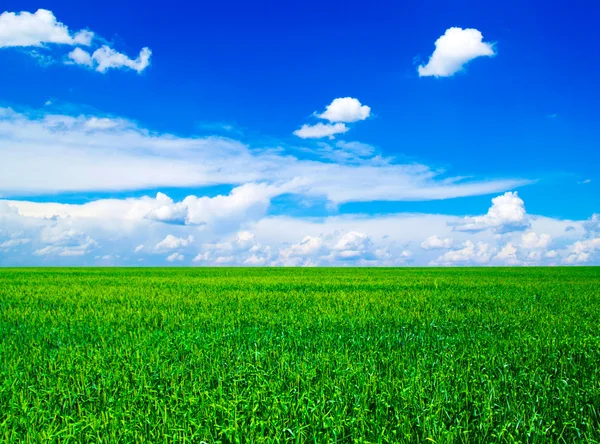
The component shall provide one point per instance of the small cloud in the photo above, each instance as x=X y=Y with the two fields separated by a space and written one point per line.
x=455 y=49
x=345 y=109
x=106 y=58
x=171 y=243
x=552 y=116
x=585 y=182
x=175 y=257
x=435 y=243
x=320 y=130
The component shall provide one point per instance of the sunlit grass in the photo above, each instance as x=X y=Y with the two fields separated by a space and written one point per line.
x=300 y=355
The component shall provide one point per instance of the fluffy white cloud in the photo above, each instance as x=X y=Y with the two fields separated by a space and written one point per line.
x=508 y=255
x=64 y=242
x=583 y=251
x=23 y=29
x=470 y=254
x=532 y=240
x=172 y=243
x=320 y=130
x=507 y=213
x=106 y=58
x=175 y=257
x=434 y=242
x=453 y=50
x=81 y=57
x=345 y=109
x=309 y=246
x=101 y=153
x=86 y=234
x=352 y=245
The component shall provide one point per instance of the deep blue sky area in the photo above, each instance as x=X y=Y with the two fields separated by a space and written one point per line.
x=264 y=67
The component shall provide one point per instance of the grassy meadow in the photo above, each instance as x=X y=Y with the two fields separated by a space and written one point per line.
x=222 y=355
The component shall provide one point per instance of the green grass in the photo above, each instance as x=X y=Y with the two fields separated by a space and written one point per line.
x=300 y=355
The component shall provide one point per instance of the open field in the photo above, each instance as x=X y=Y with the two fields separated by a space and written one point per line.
x=300 y=355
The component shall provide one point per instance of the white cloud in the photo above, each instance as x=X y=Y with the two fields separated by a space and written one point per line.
x=582 y=251
x=508 y=254
x=320 y=130
x=434 y=242
x=76 y=234
x=172 y=243
x=352 y=245
x=11 y=243
x=470 y=254
x=531 y=240
x=101 y=153
x=309 y=246
x=175 y=257
x=453 y=50
x=507 y=213
x=81 y=57
x=64 y=242
x=24 y=29
x=106 y=58
x=345 y=109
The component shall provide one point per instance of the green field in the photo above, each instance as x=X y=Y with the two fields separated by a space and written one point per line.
x=300 y=355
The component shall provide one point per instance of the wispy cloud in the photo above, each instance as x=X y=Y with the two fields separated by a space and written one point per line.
x=107 y=153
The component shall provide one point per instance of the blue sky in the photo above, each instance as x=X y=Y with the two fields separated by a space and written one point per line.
x=225 y=86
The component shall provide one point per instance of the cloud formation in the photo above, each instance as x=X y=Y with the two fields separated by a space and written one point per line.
x=22 y=29
x=107 y=153
x=106 y=58
x=320 y=130
x=454 y=50
x=235 y=233
x=41 y=30
x=339 y=112
x=507 y=213
x=345 y=109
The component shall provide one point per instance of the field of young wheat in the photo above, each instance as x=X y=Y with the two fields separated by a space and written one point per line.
x=300 y=355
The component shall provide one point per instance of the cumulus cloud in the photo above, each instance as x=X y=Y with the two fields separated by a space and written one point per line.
x=532 y=240
x=507 y=213
x=435 y=243
x=320 y=130
x=455 y=49
x=81 y=57
x=582 y=251
x=345 y=109
x=175 y=257
x=22 y=29
x=352 y=245
x=41 y=29
x=470 y=254
x=172 y=243
x=85 y=234
x=64 y=242
x=339 y=112
x=106 y=58
x=508 y=254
